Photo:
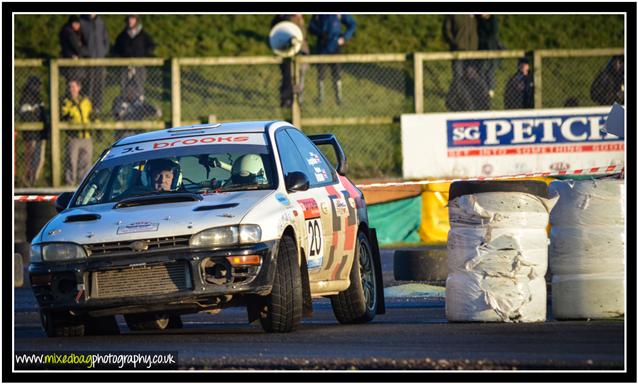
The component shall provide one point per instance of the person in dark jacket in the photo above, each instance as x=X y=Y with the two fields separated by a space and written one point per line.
x=609 y=86
x=133 y=41
x=73 y=46
x=488 y=40
x=286 y=88
x=468 y=92
x=330 y=39
x=461 y=34
x=31 y=109
x=519 y=91
x=97 y=42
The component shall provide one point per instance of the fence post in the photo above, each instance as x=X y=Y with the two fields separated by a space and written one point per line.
x=56 y=173
x=296 y=79
x=418 y=83
x=538 y=79
x=176 y=98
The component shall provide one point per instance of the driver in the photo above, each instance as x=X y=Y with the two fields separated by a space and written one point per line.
x=164 y=174
x=248 y=169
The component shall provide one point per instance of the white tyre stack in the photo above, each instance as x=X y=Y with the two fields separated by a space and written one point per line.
x=587 y=251
x=497 y=256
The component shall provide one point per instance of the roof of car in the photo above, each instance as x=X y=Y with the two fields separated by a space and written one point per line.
x=199 y=129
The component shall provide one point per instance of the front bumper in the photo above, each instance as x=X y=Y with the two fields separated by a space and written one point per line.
x=179 y=280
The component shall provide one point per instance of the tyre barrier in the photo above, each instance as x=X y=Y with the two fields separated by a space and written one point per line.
x=429 y=264
x=20 y=222
x=497 y=251
x=18 y=269
x=587 y=249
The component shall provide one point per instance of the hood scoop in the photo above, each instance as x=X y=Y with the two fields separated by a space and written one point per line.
x=213 y=207
x=83 y=217
x=164 y=198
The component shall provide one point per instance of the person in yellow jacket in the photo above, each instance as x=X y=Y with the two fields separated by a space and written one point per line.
x=76 y=109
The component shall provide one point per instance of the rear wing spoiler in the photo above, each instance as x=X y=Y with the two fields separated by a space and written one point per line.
x=330 y=139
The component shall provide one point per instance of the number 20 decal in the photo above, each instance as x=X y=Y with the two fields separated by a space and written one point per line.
x=315 y=238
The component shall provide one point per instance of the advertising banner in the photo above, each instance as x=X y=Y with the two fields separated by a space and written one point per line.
x=474 y=144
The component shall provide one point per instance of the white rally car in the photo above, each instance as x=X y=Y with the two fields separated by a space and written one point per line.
x=204 y=217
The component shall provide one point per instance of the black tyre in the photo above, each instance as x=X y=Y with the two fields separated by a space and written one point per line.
x=106 y=325
x=62 y=324
x=147 y=321
x=358 y=303
x=534 y=187
x=18 y=268
x=429 y=264
x=281 y=310
x=175 y=322
x=20 y=222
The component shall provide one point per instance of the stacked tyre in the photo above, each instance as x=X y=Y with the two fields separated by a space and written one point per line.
x=20 y=230
x=587 y=249
x=497 y=251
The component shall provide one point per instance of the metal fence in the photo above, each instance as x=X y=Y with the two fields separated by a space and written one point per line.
x=358 y=97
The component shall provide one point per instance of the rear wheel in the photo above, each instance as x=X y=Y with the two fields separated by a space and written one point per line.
x=358 y=303
x=147 y=321
x=281 y=310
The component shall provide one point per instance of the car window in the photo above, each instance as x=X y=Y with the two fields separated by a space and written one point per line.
x=320 y=172
x=291 y=160
x=201 y=169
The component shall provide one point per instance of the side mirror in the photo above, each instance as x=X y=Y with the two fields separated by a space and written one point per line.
x=297 y=181
x=63 y=201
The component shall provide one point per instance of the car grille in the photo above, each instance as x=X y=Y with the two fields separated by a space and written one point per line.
x=141 y=281
x=117 y=248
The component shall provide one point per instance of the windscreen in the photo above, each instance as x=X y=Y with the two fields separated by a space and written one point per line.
x=205 y=164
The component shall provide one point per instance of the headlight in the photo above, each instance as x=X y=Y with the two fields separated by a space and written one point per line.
x=62 y=252
x=223 y=236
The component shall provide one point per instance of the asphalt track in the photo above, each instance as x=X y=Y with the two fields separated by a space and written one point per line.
x=413 y=334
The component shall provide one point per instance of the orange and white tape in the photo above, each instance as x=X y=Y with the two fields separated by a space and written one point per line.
x=578 y=172
x=612 y=169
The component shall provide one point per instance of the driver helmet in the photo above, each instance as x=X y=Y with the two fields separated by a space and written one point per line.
x=153 y=167
x=248 y=169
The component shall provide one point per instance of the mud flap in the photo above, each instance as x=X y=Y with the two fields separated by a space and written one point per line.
x=376 y=255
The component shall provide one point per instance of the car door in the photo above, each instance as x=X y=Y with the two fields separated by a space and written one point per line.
x=326 y=189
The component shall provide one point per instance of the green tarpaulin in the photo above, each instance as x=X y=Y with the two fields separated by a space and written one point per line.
x=396 y=221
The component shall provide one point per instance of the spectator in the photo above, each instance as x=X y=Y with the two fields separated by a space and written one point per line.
x=609 y=86
x=330 y=39
x=286 y=88
x=519 y=91
x=132 y=106
x=31 y=109
x=73 y=45
x=468 y=92
x=133 y=41
x=488 y=40
x=97 y=42
x=76 y=109
x=461 y=34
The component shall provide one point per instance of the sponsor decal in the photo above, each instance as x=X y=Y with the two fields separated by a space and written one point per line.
x=341 y=207
x=174 y=142
x=138 y=226
x=313 y=158
x=310 y=208
x=282 y=199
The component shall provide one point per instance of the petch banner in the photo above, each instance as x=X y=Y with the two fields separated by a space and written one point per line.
x=474 y=144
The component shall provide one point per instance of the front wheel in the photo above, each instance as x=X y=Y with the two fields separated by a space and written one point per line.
x=281 y=310
x=358 y=303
